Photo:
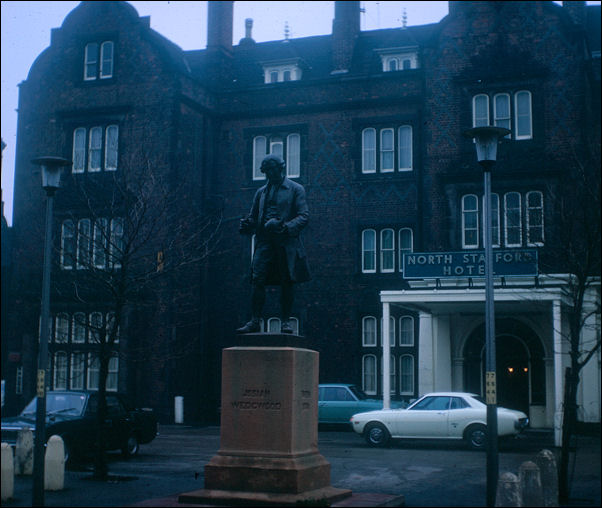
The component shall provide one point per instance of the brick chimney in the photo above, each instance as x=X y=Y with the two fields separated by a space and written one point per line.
x=219 y=25
x=576 y=11
x=345 y=30
x=219 y=42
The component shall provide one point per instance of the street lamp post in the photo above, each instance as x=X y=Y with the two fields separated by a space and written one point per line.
x=51 y=176
x=486 y=141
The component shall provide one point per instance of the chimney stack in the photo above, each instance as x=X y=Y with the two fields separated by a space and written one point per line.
x=219 y=43
x=219 y=25
x=345 y=30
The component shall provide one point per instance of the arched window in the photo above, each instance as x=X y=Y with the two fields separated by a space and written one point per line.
x=369 y=251
x=111 y=147
x=61 y=330
x=480 y=110
x=91 y=61
x=276 y=147
x=106 y=60
x=369 y=374
x=393 y=64
x=83 y=243
x=406 y=331
x=523 y=127
x=67 y=245
x=113 y=373
x=79 y=150
x=273 y=325
x=60 y=371
x=387 y=250
x=470 y=221
x=93 y=371
x=501 y=111
x=405 y=148
x=387 y=151
x=293 y=155
x=116 y=246
x=513 y=219
x=78 y=363
x=259 y=152
x=96 y=328
x=406 y=374
x=79 y=328
x=99 y=250
x=95 y=149
x=369 y=150
x=535 y=229
x=369 y=331
x=406 y=244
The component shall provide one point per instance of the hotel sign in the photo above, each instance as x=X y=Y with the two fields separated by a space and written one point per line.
x=438 y=265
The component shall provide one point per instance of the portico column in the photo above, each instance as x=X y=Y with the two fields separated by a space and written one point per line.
x=426 y=375
x=386 y=356
x=558 y=374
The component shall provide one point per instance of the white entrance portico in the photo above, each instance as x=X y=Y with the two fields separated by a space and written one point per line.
x=530 y=334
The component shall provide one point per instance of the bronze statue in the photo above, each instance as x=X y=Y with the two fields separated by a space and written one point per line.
x=277 y=217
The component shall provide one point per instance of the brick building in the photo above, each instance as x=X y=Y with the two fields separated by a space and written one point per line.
x=371 y=124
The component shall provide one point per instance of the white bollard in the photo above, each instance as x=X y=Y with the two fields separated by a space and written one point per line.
x=530 y=484
x=179 y=409
x=24 y=452
x=8 y=472
x=54 y=464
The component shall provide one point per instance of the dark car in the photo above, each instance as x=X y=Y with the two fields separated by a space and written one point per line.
x=337 y=403
x=72 y=415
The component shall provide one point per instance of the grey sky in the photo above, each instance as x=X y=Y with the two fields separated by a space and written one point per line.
x=26 y=29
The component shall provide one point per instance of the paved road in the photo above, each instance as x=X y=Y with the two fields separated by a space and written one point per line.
x=426 y=473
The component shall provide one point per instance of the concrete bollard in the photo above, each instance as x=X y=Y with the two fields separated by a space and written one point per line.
x=530 y=483
x=548 y=471
x=54 y=464
x=179 y=409
x=24 y=452
x=508 y=491
x=8 y=472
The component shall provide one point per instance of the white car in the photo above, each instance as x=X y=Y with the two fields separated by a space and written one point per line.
x=442 y=415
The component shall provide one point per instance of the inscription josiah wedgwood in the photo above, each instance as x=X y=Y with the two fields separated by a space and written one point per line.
x=256 y=393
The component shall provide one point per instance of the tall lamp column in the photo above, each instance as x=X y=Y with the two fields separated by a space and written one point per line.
x=51 y=176
x=486 y=141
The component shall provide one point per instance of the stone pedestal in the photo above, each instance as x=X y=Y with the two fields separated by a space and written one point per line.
x=269 y=432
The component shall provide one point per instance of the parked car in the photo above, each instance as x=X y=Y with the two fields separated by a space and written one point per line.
x=73 y=416
x=446 y=415
x=338 y=402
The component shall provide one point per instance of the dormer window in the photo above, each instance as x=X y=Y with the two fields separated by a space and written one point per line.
x=98 y=60
x=278 y=72
x=398 y=59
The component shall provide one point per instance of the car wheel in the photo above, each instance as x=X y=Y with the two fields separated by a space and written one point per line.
x=476 y=437
x=377 y=434
x=131 y=446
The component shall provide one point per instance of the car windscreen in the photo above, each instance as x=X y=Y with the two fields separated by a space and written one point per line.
x=59 y=403
x=358 y=393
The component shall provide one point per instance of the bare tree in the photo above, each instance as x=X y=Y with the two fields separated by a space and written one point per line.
x=577 y=250
x=128 y=240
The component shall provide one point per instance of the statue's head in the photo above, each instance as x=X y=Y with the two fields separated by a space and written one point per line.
x=273 y=164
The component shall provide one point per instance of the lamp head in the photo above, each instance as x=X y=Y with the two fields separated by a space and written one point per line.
x=51 y=171
x=486 y=141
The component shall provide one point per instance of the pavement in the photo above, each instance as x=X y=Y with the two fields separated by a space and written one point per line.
x=421 y=473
